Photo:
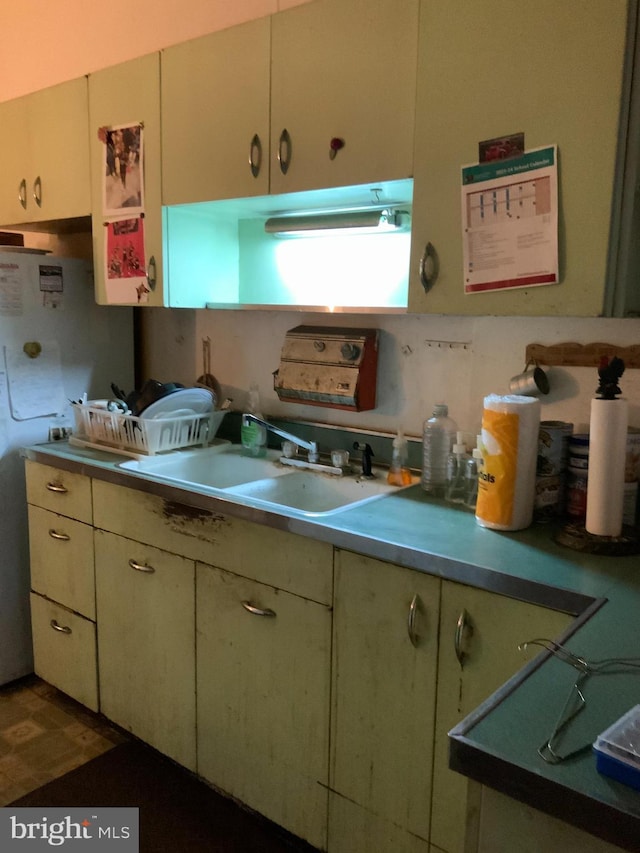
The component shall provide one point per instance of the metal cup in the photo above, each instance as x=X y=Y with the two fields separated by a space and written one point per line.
x=532 y=383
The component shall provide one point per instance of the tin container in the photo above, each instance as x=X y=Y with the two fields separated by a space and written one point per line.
x=553 y=454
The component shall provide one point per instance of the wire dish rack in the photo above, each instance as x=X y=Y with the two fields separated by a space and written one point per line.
x=142 y=436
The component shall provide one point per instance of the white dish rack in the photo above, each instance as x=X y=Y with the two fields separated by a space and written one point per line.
x=134 y=436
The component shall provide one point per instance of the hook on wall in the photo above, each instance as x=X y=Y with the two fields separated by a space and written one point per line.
x=32 y=349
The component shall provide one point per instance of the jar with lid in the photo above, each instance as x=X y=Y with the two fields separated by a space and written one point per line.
x=577 y=475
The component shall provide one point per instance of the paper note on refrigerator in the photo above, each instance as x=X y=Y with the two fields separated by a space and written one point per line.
x=35 y=384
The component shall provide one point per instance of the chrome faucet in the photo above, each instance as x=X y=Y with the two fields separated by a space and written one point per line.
x=310 y=446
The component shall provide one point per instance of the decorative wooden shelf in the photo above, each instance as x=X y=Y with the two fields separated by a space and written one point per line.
x=581 y=355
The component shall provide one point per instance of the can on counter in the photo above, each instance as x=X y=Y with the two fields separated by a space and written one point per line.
x=577 y=474
x=553 y=454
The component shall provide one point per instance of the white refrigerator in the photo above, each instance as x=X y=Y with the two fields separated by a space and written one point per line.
x=55 y=345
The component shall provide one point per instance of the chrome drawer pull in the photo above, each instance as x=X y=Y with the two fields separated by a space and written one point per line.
x=256 y=610
x=284 y=151
x=141 y=567
x=64 y=537
x=37 y=191
x=22 y=193
x=255 y=155
x=411 y=621
x=64 y=629
x=464 y=630
x=57 y=487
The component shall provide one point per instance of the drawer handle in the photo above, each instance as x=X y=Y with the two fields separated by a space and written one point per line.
x=284 y=151
x=255 y=155
x=57 y=487
x=464 y=630
x=141 y=567
x=257 y=611
x=64 y=629
x=22 y=193
x=37 y=191
x=411 y=621
x=63 y=537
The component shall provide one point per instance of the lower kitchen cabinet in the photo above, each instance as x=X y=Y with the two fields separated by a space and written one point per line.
x=478 y=652
x=146 y=658
x=64 y=650
x=383 y=706
x=263 y=664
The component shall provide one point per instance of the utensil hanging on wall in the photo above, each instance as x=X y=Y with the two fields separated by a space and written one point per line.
x=208 y=380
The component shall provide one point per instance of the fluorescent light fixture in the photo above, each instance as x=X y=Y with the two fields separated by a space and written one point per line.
x=348 y=222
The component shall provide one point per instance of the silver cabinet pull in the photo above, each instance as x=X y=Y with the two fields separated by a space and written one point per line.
x=57 y=487
x=411 y=621
x=22 y=193
x=141 y=567
x=64 y=537
x=64 y=629
x=257 y=611
x=152 y=273
x=429 y=267
x=284 y=151
x=37 y=191
x=255 y=155
x=464 y=630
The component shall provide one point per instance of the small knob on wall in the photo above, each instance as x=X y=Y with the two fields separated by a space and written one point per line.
x=334 y=146
x=350 y=351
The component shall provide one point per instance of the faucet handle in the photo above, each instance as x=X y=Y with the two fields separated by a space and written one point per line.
x=314 y=456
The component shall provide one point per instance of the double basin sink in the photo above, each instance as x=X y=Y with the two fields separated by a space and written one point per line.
x=262 y=481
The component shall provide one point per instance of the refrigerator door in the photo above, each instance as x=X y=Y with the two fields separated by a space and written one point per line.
x=46 y=303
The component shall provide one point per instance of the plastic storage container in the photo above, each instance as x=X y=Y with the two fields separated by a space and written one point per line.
x=438 y=436
x=617 y=749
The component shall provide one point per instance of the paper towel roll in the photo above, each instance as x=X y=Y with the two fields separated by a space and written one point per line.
x=506 y=490
x=607 y=455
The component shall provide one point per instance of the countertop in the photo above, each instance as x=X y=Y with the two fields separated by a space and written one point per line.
x=497 y=744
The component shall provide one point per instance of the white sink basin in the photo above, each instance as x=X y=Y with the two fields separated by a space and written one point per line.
x=262 y=481
x=216 y=467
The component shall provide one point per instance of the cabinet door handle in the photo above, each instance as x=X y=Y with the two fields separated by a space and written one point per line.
x=257 y=611
x=429 y=267
x=152 y=273
x=57 y=487
x=284 y=151
x=255 y=155
x=37 y=191
x=464 y=629
x=64 y=537
x=411 y=621
x=22 y=193
x=64 y=629
x=141 y=567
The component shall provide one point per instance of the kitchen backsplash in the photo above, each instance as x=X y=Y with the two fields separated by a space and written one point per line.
x=422 y=360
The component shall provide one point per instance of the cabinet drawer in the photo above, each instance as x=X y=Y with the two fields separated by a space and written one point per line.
x=65 y=658
x=60 y=491
x=61 y=554
x=284 y=560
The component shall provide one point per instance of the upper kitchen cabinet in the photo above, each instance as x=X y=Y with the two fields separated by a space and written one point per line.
x=553 y=71
x=215 y=115
x=127 y=96
x=44 y=151
x=342 y=93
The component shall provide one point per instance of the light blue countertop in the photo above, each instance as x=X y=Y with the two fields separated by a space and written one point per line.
x=500 y=740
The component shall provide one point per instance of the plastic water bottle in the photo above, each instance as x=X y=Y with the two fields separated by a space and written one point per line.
x=438 y=436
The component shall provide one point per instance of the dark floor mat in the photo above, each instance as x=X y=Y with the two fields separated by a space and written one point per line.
x=177 y=811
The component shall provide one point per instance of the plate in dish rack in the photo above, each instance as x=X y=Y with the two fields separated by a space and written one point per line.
x=198 y=400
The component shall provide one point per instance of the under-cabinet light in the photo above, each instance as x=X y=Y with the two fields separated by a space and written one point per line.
x=354 y=222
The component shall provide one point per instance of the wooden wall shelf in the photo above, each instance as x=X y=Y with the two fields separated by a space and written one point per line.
x=581 y=355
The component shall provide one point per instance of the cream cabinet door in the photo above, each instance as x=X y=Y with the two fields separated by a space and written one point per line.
x=483 y=630
x=343 y=71
x=383 y=700
x=14 y=161
x=125 y=95
x=146 y=628
x=486 y=69
x=263 y=664
x=59 y=183
x=64 y=650
x=215 y=115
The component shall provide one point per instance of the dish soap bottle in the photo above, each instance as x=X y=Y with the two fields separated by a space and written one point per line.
x=456 y=472
x=399 y=473
x=438 y=436
x=252 y=435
